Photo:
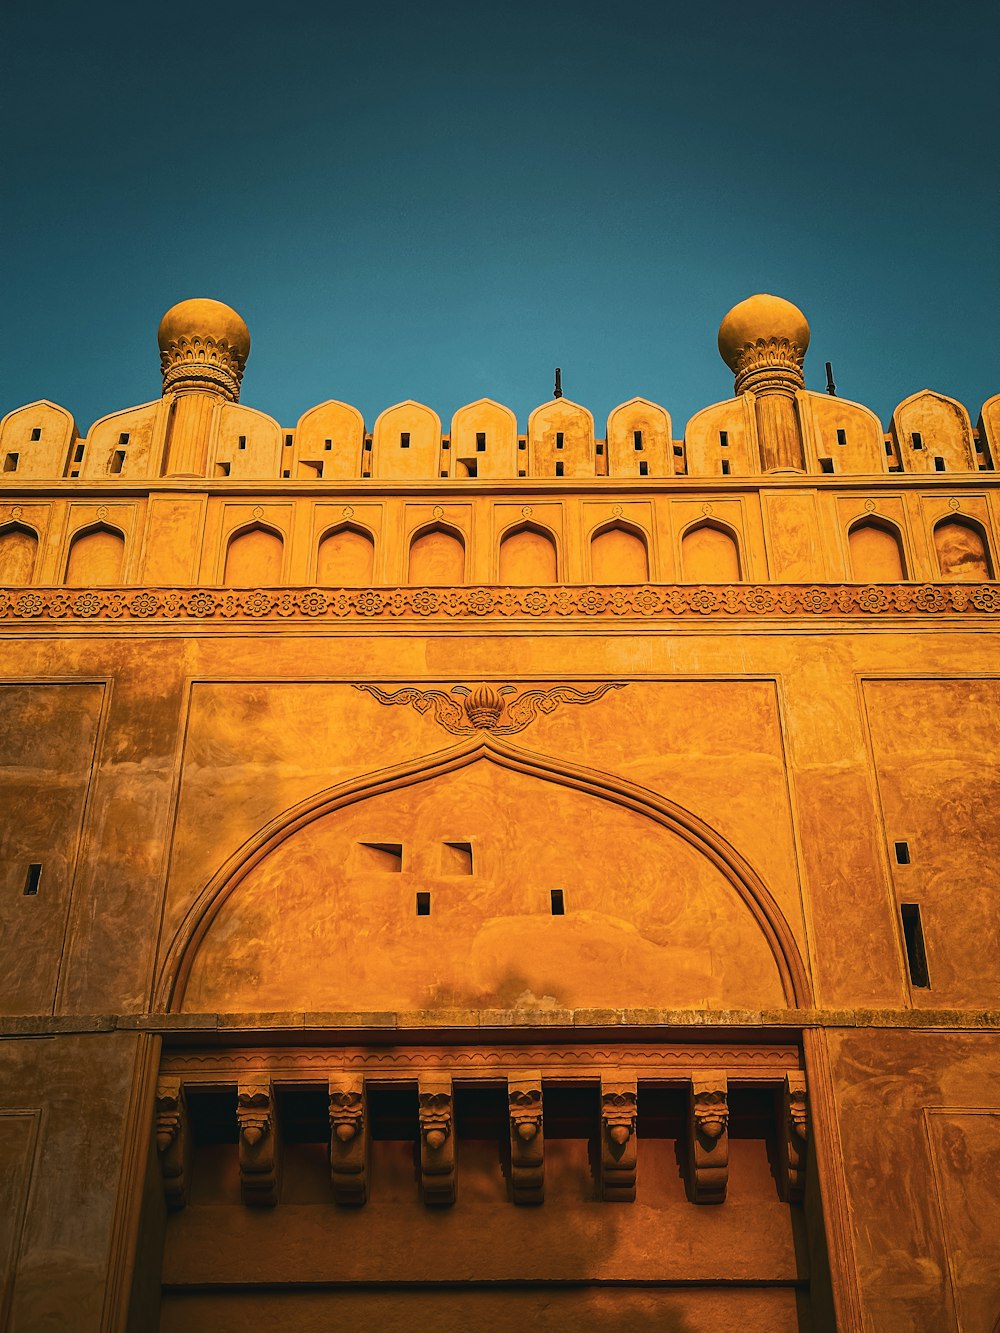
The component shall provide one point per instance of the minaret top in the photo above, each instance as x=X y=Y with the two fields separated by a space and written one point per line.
x=204 y=346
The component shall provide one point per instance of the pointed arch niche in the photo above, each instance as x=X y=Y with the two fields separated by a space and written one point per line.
x=618 y=554
x=96 y=557
x=962 y=550
x=437 y=557
x=660 y=910
x=710 y=553
x=18 y=553
x=528 y=556
x=876 y=550
x=254 y=557
x=346 y=557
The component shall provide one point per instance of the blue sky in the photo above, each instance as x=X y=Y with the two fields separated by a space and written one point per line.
x=444 y=200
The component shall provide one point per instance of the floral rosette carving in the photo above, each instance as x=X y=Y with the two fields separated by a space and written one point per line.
x=369 y=603
x=312 y=603
x=87 y=605
x=257 y=603
x=816 y=600
x=986 y=599
x=143 y=605
x=758 y=600
x=591 y=601
x=480 y=601
x=536 y=601
x=929 y=599
x=201 y=605
x=874 y=599
x=704 y=600
x=424 y=602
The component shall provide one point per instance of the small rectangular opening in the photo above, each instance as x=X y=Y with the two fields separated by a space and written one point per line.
x=288 y=442
x=78 y=454
x=679 y=450
x=404 y=439
x=600 y=448
x=643 y=468
x=725 y=467
x=10 y=463
x=241 y=443
x=637 y=438
x=559 y=439
x=117 y=462
x=826 y=465
x=480 y=441
x=328 y=445
x=446 y=444
x=456 y=858
x=917 y=440
x=32 y=879
x=223 y=469
x=902 y=853
x=841 y=436
x=123 y=438
x=286 y=474
x=36 y=433
x=888 y=448
x=75 y=472
x=522 y=444
x=724 y=438
x=913 y=938
x=423 y=904
x=559 y=469
x=368 y=445
x=558 y=902
x=521 y=472
x=444 y=472
x=938 y=464
x=470 y=465
x=382 y=856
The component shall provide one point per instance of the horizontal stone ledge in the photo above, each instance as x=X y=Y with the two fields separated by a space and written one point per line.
x=567 y=1023
x=556 y=603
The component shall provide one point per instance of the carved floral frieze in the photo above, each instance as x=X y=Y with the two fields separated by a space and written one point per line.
x=643 y=601
x=488 y=708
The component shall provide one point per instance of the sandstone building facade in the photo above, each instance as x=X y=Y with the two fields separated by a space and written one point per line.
x=496 y=878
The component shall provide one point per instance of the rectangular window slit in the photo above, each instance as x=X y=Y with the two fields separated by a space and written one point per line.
x=724 y=438
x=78 y=454
x=522 y=444
x=679 y=450
x=558 y=902
x=75 y=472
x=288 y=442
x=841 y=436
x=117 y=462
x=938 y=464
x=444 y=472
x=241 y=443
x=286 y=474
x=471 y=466
x=36 y=433
x=368 y=445
x=559 y=439
x=480 y=441
x=600 y=448
x=559 y=469
x=123 y=438
x=918 y=440
x=725 y=467
x=826 y=465
x=423 y=904
x=637 y=438
x=404 y=439
x=888 y=448
x=521 y=472
x=32 y=879
x=328 y=445
x=913 y=938
x=902 y=853
x=223 y=469
x=10 y=463
x=643 y=468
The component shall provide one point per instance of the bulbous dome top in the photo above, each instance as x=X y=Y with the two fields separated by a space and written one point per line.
x=203 y=318
x=759 y=318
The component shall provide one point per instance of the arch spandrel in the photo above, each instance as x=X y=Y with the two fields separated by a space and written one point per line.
x=661 y=911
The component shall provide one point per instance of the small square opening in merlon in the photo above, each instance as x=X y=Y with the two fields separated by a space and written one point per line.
x=423 y=904
x=557 y=902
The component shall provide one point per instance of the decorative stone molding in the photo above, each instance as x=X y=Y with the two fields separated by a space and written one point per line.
x=770 y=365
x=348 y=1140
x=641 y=602
x=173 y=1141
x=619 y=1141
x=527 y=1137
x=258 y=1142
x=709 y=1138
x=795 y=1138
x=483 y=708
x=436 y=1110
x=207 y=364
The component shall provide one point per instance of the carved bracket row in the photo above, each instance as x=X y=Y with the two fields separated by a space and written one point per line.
x=259 y=1144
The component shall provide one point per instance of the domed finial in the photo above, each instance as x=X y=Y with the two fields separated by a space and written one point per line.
x=204 y=346
x=763 y=340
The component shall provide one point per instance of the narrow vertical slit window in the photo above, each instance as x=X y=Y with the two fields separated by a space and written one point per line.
x=902 y=853
x=123 y=438
x=917 y=439
x=826 y=465
x=423 y=904
x=117 y=462
x=637 y=438
x=288 y=442
x=643 y=468
x=724 y=439
x=328 y=445
x=241 y=443
x=32 y=879
x=404 y=439
x=841 y=436
x=557 y=902
x=36 y=433
x=78 y=454
x=938 y=464
x=913 y=939
x=10 y=463
x=888 y=448
x=725 y=467
x=559 y=439
x=480 y=441
x=559 y=469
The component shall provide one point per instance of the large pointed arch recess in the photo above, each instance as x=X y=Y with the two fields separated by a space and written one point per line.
x=734 y=886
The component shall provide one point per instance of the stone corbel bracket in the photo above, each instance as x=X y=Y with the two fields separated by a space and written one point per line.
x=619 y=1141
x=173 y=1141
x=794 y=1138
x=258 y=1139
x=436 y=1110
x=709 y=1138
x=348 y=1140
x=527 y=1138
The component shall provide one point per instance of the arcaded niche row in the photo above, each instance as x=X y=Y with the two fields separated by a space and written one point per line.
x=198 y=428
x=351 y=1118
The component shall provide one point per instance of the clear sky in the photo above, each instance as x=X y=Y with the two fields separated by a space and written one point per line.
x=444 y=199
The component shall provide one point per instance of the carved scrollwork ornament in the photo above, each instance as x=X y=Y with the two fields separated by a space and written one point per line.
x=709 y=1138
x=527 y=1139
x=618 y=1140
x=488 y=707
x=770 y=365
x=435 y=1109
x=258 y=1147
x=348 y=1140
x=202 y=363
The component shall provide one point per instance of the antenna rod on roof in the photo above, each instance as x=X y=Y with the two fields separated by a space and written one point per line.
x=558 y=392
x=831 y=388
